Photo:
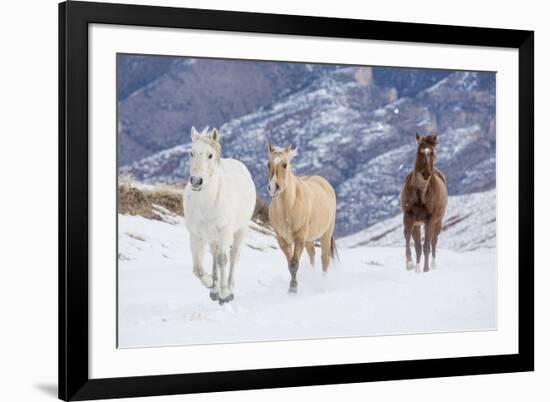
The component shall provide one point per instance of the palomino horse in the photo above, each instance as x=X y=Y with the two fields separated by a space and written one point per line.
x=303 y=209
x=218 y=204
x=423 y=201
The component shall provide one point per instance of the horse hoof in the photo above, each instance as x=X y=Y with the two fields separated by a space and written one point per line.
x=433 y=265
x=292 y=291
x=213 y=296
x=426 y=269
x=410 y=265
x=417 y=268
x=226 y=300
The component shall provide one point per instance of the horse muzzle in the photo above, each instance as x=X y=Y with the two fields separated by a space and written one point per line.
x=274 y=193
x=196 y=183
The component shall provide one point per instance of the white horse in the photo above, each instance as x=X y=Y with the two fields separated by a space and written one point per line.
x=218 y=204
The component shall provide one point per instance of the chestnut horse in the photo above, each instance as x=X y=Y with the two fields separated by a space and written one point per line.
x=303 y=209
x=423 y=201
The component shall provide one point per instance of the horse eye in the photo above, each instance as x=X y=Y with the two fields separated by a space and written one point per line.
x=192 y=154
x=209 y=156
x=284 y=165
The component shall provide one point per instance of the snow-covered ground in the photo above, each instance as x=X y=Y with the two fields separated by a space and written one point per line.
x=369 y=292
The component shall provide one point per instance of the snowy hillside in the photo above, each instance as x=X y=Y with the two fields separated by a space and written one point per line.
x=368 y=292
x=470 y=224
x=360 y=136
x=160 y=98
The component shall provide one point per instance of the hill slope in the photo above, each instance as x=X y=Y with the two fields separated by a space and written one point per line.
x=360 y=136
x=470 y=224
x=160 y=98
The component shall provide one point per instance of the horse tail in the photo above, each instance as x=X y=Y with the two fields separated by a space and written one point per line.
x=333 y=250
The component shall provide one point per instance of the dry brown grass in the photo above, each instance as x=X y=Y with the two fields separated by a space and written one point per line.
x=138 y=199
x=261 y=212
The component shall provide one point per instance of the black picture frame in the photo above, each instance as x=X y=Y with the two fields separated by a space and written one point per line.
x=74 y=381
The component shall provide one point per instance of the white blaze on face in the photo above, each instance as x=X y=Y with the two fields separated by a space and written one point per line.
x=273 y=179
x=427 y=151
x=273 y=184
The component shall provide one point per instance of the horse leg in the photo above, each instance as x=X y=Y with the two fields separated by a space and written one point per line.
x=428 y=234
x=234 y=257
x=294 y=264
x=437 y=230
x=215 y=287
x=408 y=224
x=222 y=258
x=417 y=245
x=197 y=251
x=214 y=290
x=325 y=250
x=310 y=248
x=286 y=248
x=326 y=244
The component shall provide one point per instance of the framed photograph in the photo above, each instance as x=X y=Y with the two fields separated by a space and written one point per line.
x=257 y=201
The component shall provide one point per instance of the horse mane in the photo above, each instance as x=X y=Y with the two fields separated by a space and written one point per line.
x=278 y=150
x=430 y=140
x=213 y=143
x=275 y=151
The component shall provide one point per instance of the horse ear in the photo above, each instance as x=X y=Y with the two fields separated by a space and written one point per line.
x=194 y=134
x=291 y=151
x=215 y=134
x=418 y=138
x=270 y=148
